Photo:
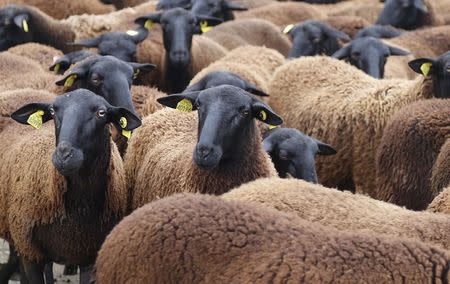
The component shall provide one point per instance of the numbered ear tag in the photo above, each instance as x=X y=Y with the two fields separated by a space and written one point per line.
x=35 y=119
x=263 y=115
x=70 y=80
x=184 y=105
x=57 y=68
x=425 y=68
x=204 y=26
x=288 y=28
x=25 y=26
x=148 y=24
x=123 y=123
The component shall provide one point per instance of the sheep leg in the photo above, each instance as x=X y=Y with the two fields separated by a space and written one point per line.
x=48 y=273
x=34 y=272
x=8 y=269
x=85 y=274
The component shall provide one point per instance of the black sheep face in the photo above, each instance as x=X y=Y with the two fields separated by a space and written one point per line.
x=378 y=31
x=221 y=9
x=81 y=120
x=293 y=152
x=226 y=126
x=313 y=38
x=439 y=69
x=15 y=27
x=368 y=54
x=218 y=78
x=170 y=4
x=404 y=14
x=106 y=76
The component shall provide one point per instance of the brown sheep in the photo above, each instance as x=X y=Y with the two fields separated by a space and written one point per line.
x=441 y=204
x=347 y=24
x=368 y=10
x=191 y=238
x=42 y=54
x=343 y=210
x=334 y=102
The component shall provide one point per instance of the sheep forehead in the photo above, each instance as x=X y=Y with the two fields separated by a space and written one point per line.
x=175 y=14
x=225 y=94
x=367 y=43
x=110 y=64
x=80 y=98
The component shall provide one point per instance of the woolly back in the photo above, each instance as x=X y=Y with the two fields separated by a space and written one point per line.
x=440 y=176
x=441 y=203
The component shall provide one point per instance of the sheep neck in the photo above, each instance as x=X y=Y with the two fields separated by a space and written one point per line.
x=177 y=78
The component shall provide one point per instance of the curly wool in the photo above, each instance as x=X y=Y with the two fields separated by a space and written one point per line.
x=203 y=239
x=440 y=176
x=441 y=204
x=37 y=52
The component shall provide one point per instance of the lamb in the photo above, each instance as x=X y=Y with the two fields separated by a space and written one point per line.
x=347 y=109
x=408 y=150
x=344 y=211
x=37 y=218
x=40 y=53
x=168 y=145
x=250 y=32
x=203 y=239
x=441 y=203
x=62 y=9
x=183 y=55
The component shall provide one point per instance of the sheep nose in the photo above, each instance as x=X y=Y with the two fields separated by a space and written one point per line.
x=179 y=55
x=64 y=151
x=204 y=151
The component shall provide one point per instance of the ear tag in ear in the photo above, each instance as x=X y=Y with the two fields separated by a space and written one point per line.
x=288 y=28
x=57 y=67
x=263 y=115
x=425 y=68
x=136 y=74
x=272 y=126
x=132 y=33
x=123 y=123
x=184 y=105
x=35 y=119
x=25 y=26
x=148 y=24
x=204 y=26
x=69 y=82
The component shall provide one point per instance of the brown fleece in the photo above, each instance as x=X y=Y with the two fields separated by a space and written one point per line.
x=251 y=4
x=347 y=24
x=159 y=160
x=18 y=72
x=441 y=204
x=40 y=53
x=191 y=238
x=283 y=13
x=343 y=210
x=120 y=4
x=407 y=152
x=144 y=99
x=335 y=102
x=368 y=10
x=440 y=175
x=31 y=191
x=256 y=32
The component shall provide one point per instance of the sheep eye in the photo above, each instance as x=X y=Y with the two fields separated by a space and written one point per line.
x=51 y=110
x=101 y=113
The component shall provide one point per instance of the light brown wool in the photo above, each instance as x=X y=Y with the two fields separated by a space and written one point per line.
x=343 y=210
x=441 y=204
x=347 y=24
x=39 y=53
x=203 y=239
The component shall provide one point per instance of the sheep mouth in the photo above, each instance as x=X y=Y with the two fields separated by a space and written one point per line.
x=68 y=167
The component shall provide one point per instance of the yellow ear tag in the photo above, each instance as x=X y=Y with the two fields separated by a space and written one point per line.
x=204 y=26
x=123 y=123
x=25 y=26
x=35 y=119
x=263 y=115
x=70 y=80
x=272 y=126
x=425 y=68
x=126 y=133
x=135 y=75
x=184 y=105
x=288 y=28
x=148 y=24
x=57 y=67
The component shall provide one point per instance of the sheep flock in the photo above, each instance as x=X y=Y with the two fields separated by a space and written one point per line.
x=224 y=141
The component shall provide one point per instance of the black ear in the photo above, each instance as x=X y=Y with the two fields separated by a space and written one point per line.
x=22 y=21
x=141 y=68
x=70 y=78
x=90 y=42
x=343 y=52
x=138 y=35
x=183 y=102
x=233 y=6
x=420 y=5
x=334 y=33
x=34 y=114
x=211 y=21
x=60 y=66
x=265 y=114
x=324 y=149
x=397 y=51
x=424 y=66
x=123 y=119
x=149 y=20
x=252 y=89
x=199 y=86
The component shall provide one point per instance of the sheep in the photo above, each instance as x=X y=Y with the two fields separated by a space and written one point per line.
x=293 y=152
x=222 y=9
x=191 y=238
x=252 y=63
x=165 y=144
x=251 y=4
x=28 y=24
x=314 y=37
x=408 y=150
x=439 y=174
x=183 y=55
x=369 y=54
x=334 y=102
x=441 y=204
x=368 y=10
x=170 y=4
x=63 y=63
x=344 y=211
x=62 y=9
x=55 y=218
x=350 y=25
x=250 y=32
x=40 y=53
x=379 y=31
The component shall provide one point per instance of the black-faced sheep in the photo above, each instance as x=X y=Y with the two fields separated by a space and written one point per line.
x=173 y=153
x=62 y=63
x=293 y=152
x=343 y=210
x=222 y=9
x=202 y=239
x=379 y=31
x=74 y=191
x=441 y=204
x=334 y=102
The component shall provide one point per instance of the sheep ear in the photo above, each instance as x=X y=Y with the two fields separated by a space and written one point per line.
x=183 y=102
x=206 y=23
x=324 y=149
x=60 y=66
x=343 y=52
x=34 y=114
x=233 y=6
x=139 y=68
x=74 y=75
x=265 y=114
x=138 y=35
x=397 y=51
x=424 y=66
x=420 y=5
x=252 y=89
x=334 y=33
x=200 y=85
x=22 y=21
x=123 y=119
x=149 y=20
